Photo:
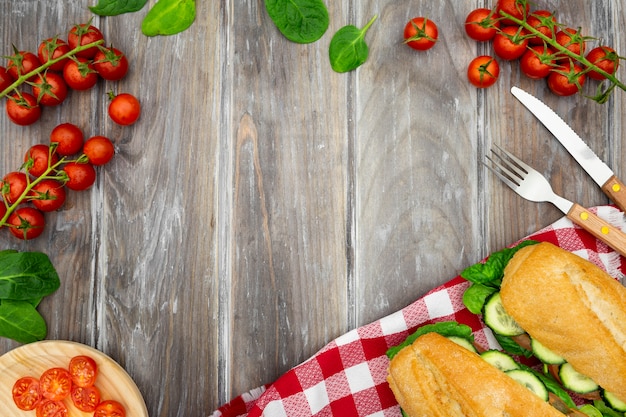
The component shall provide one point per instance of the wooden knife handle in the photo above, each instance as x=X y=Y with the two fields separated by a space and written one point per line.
x=599 y=228
x=616 y=190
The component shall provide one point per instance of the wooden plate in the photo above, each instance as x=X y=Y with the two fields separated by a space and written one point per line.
x=34 y=358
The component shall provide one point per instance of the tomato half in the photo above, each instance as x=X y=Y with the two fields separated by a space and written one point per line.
x=55 y=383
x=537 y=62
x=510 y=43
x=68 y=139
x=53 y=48
x=110 y=408
x=84 y=34
x=111 y=64
x=48 y=195
x=83 y=370
x=85 y=398
x=23 y=109
x=80 y=176
x=28 y=223
x=481 y=24
x=26 y=393
x=604 y=58
x=50 y=408
x=566 y=80
x=124 y=109
x=483 y=71
x=13 y=186
x=38 y=159
x=99 y=150
x=420 y=33
x=50 y=89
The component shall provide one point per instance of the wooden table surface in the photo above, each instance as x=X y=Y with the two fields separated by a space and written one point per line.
x=264 y=205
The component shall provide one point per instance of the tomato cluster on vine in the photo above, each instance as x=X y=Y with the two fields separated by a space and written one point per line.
x=44 y=78
x=67 y=162
x=545 y=48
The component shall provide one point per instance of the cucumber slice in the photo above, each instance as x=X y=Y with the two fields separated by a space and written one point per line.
x=530 y=381
x=461 y=341
x=575 y=381
x=544 y=354
x=498 y=319
x=500 y=360
x=613 y=402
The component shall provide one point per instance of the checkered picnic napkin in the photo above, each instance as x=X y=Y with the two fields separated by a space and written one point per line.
x=348 y=376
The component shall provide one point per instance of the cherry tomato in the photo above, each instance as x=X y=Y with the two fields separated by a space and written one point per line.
x=85 y=398
x=26 y=393
x=545 y=22
x=80 y=176
x=99 y=150
x=13 y=186
x=38 y=159
x=571 y=39
x=84 y=34
x=68 y=139
x=124 y=109
x=566 y=80
x=516 y=8
x=49 y=408
x=28 y=223
x=22 y=63
x=605 y=58
x=53 y=48
x=55 y=384
x=537 y=62
x=481 y=24
x=510 y=43
x=111 y=64
x=483 y=71
x=83 y=370
x=48 y=195
x=3 y=210
x=110 y=408
x=79 y=74
x=50 y=89
x=420 y=33
x=6 y=79
x=22 y=109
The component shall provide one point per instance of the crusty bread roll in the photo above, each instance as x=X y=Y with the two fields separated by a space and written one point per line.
x=573 y=308
x=436 y=377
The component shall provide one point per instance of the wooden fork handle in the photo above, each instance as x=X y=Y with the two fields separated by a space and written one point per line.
x=599 y=228
x=616 y=190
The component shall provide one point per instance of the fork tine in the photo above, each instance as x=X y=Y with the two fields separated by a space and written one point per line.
x=501 y=167
x=525 y=167
x=502 y=177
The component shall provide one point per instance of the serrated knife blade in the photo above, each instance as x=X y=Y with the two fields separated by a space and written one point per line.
x=595 y=167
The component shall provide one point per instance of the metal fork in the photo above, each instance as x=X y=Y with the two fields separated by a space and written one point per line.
x=531 y=185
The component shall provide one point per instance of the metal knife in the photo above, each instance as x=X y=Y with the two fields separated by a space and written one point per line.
x=598 y=170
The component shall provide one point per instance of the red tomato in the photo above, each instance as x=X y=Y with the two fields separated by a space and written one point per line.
x=68 y=139
x=50 y=89
x=84 y=34
x=124 y=109
x=83 y=370
x=55 y=383
x=85 y=398
x=49 y=408
x=571 y=39
x=99 y=150
x=80 y=176
x=110 y=408
x=5 y=79
x=516 y=8
x=3 y=210
x=545 y=22
x=22 y=109
x=28 y=223
x=111 y=64
x=26 y=393
x=48 y=195
x=537 y=62
x=566 y=80
x=79 y=74
x=13 y=186
x=483 y=71
x=420 y=33
x=510 y=43
x=38 y=160
x=481 y=24
x=21 y=63
x=53 y=48
x=605 y=58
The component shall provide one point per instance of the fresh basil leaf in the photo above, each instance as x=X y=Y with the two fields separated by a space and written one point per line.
x=475 y=296
x=115 y=7
x=169 y=17
x=348 y=49
x=21 y=322
x=444 y=328
x=27 y=276
x=300 y=21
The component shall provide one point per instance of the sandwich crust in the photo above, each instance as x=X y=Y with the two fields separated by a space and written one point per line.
x=572 y=307
x=436 y=377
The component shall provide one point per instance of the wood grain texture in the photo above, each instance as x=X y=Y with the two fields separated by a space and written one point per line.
x=264 y=205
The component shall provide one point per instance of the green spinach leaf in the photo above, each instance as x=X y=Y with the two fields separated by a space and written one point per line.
x=20 y=321
x=348 y=49
x=300 y=21
x=444 y=328
x=115 y=7
x=169 y=17
x=27 y=276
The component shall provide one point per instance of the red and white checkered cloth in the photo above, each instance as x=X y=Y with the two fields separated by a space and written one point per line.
x=348 y=376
